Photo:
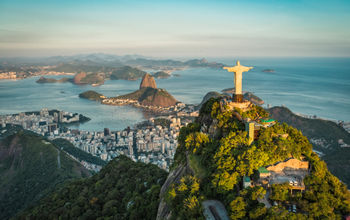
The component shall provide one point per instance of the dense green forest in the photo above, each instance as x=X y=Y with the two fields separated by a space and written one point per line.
x=30 y=168
x=123 y=189
x=221 y=158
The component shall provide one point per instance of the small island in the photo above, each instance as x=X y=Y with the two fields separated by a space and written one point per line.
x=268 y=70
x=92 y=95
x=51 y=80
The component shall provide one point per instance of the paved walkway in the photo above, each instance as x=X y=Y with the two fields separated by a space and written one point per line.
x=58 y=159
x=214 y=210
x=265 y=200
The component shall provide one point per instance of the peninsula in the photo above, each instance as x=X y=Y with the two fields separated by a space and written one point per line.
x=148 y=96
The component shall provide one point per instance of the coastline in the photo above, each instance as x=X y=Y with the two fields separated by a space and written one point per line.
x=34 y=75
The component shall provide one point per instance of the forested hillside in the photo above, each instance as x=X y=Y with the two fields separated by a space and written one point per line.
x=123 y=189
x=31 y=167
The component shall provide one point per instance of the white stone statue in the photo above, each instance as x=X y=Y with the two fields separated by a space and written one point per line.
x=238 y=70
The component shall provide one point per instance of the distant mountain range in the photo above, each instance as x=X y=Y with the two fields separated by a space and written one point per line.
x=108 y=60
x=94 y=69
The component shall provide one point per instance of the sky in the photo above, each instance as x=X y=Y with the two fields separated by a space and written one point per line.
x=257 y=28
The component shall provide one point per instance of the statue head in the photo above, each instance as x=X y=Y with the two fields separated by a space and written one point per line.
x=238 y=63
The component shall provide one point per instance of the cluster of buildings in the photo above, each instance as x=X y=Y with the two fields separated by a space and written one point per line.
x=8 y=75
x=21 y=72
x=180 y=109
x=44 y=122
x=153 y=143
x=157 y=144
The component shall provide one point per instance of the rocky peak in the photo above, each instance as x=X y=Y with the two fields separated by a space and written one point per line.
x=148 y=81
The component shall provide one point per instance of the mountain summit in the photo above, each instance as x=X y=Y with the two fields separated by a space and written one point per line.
x=148 y=81
x=150 y=95
x=235 y=164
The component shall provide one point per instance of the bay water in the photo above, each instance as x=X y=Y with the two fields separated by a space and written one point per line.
x=311 y=86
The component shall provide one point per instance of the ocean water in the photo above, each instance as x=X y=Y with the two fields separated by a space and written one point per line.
x=312 y=86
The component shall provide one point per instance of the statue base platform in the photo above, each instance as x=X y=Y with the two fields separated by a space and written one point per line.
x=244 y=105
x=238 y=98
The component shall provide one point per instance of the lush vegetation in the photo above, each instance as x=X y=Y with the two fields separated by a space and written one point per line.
x=221 y=157
x=313 y=128
x=93 y=78
x=31 y=167
x=338 y=161
x=52 y=80
x=123 y=189
x=91 y=95
x=127 y=73
x=77 y=153
x=337 y=158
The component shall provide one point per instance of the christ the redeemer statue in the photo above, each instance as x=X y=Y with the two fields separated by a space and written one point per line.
x=238 y=70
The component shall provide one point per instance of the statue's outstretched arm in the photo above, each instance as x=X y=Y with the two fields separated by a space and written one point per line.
x=247 y=68
x=230 y=69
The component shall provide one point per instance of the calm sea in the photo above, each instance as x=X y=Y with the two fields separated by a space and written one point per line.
x=312 y=86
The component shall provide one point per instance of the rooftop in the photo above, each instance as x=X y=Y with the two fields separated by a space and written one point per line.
x=246 y=179
x=267 y=120
x=263 y=170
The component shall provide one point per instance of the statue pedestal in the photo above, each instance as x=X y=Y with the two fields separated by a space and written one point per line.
x=244 y=105
x=238 y=98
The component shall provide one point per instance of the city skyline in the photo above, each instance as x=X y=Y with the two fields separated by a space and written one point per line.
x=185 y=28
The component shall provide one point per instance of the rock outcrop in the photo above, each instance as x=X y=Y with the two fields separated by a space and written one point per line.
x=209 y=95
x=150 y=95
x=148 y=81
x=174 y=176
x=78 y=77
x=158 y=97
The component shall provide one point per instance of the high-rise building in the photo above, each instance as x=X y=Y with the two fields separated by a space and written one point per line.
x=60 y=116
x=106 y=131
